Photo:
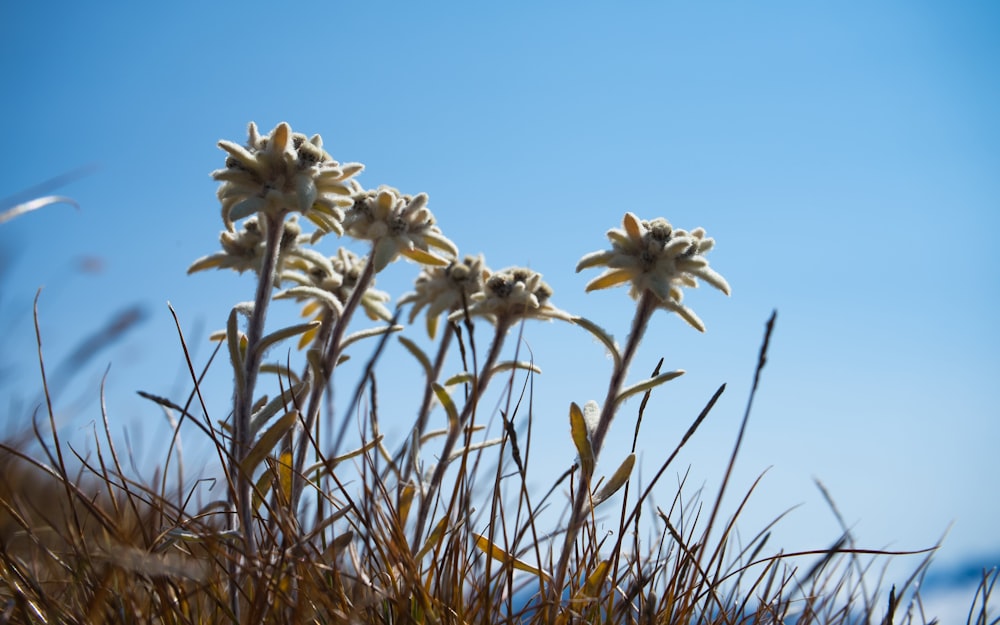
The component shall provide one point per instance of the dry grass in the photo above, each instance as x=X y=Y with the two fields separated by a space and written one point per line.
x=306 y=535
x=91 y=545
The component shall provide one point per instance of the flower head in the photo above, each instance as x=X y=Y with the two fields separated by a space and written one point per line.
x=282 y=172
x=513 y=293
x=397 y=224
x=243 y=250
x=327 y=283
x=444 y=289
x=656 y=257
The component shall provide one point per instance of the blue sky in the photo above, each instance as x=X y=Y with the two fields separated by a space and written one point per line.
x=843 y=155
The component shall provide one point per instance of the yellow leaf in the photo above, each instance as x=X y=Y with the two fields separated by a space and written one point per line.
x=581 y=438
x=285 y=476
x=617 y=480
x=424 y=258
x=268 y=441
x=612 y=277
x=632 y=227
x=592 y=587
x=405 y=501
x=497 y=553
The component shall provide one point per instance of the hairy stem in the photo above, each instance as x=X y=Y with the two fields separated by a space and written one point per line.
x=320 y=384
x=410 y=453
x=644 y=311
x=243 y=402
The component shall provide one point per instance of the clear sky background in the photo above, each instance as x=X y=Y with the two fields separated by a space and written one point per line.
x=844 y=156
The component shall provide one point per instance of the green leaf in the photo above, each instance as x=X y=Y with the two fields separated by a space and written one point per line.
x=332 y=463
x=618 y=479
x=281 y=371
x=268 y=441
x=262 y=488
x=364 y=334
x=601 y=335
x=510 y=364
x=286 y=333
x=419 y=354
x=447 y=404
x=327 y=298
x=460 y=378
x=315 y=360
x=235 y=354
x=581 y=438
x=284 y=400
x=648 y=384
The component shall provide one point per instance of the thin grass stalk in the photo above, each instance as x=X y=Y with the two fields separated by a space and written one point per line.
x=761 y=360
x=479 y=385
x=63 y=475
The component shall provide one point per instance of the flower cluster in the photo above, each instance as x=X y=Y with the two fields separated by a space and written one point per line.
x=397 y=224
x=284 y=172
x=329 y=282
x=512 y=293
x=243 y=250
x=445 y=289
x=655 y=257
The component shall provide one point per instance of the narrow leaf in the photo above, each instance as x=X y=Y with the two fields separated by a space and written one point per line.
x=610 y=278
x=284 y=470
x=417 y=353
x=424 y=258
x=35 y=204
x=233 y=341
x=460 y=378
x=364 y=334
x=601 y=335
x=617 y=480
x=283 y=400
x=511 y=364
x=447 y=404
x=262 y=488
x=595 y=581
x=332 y=463
x=631 y=223
x=285 y=333
x=434 y=538
x=268 y=441
x=495 y=552
x=648 y=384
x=473 y=447
x=581 y=438
x=405 y=503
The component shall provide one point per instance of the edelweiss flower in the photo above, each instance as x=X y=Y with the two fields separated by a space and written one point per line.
x=512 y=293
x=328 y=283
x=284 y=172
x=443 y=289
x=655 y=257
x=243 y=250
x=397 y=224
